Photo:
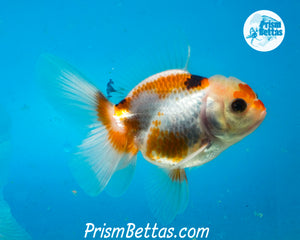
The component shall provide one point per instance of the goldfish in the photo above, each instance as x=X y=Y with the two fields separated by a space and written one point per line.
x=176 y=119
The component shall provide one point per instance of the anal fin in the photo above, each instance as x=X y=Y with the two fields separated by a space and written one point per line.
x=167 y=192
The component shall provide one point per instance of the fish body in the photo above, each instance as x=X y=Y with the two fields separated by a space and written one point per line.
x=177 y=120
x=165 y=118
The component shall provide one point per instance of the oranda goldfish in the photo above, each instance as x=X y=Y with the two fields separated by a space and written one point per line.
x=176 y=119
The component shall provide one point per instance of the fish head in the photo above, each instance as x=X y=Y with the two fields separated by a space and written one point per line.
x=232 y=109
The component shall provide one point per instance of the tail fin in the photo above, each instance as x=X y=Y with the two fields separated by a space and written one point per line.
x=9 y=228
x=67 y=90
x=104 y=151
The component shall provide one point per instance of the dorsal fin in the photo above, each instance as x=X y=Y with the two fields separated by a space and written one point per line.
x=169 y=51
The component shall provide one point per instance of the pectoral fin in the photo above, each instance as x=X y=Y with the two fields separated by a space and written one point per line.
x=192 y=156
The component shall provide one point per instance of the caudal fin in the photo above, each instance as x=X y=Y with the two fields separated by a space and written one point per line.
x=9 y=228
x=121 y=179
x=104 y=151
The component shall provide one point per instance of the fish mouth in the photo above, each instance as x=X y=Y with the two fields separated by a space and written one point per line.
x=261 y=117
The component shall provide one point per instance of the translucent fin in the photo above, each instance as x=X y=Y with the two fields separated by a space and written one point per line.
x=192 y=156
x=9 y=228
x=95 y=162
x=167 y=192
x=169 y=51
x=121 y=179
x=100 y=153
x=67 y=90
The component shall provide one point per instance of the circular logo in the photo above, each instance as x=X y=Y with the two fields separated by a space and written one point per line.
x=264 y=30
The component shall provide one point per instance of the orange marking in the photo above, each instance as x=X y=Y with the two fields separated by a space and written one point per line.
x=156 y=123
x=245 y=93
x=249 y=96
x=259 y=105
x=121 y=113
x=120 y=139
x=164 y=144
x=204 y=83
x=166 y=85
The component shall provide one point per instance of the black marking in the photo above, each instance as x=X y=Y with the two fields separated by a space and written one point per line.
x=193 y=81
x=122 y=102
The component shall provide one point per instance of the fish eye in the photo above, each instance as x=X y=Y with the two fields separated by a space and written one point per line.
x=238 y=105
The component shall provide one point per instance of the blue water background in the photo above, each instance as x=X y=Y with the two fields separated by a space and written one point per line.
x=250 y=192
